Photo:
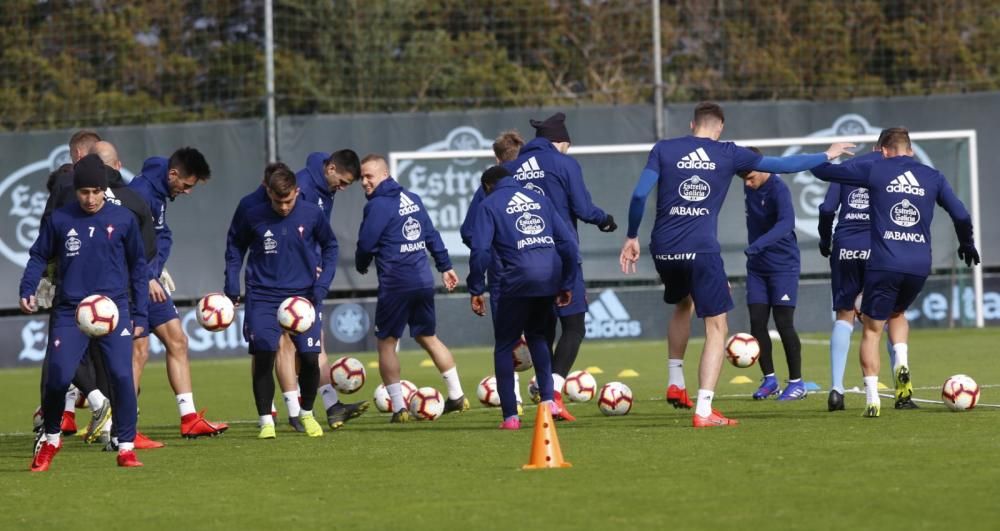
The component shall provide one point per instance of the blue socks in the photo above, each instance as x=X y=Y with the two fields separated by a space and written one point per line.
x=840 y=344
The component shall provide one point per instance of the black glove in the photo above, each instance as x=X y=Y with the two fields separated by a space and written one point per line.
x=235 y=298
x=825 y=233
x=824 y=248
x=968 y=252
x=608 y=225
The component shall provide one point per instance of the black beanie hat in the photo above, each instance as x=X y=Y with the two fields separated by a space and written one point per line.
x=89 y=172
x=553 y=128
x=494 y=174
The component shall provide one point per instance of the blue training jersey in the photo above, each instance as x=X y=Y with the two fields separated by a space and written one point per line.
x=282 y=257
x=257 y=197
x=694 y=176
x=152 y=185
x=396 y=232
x=313 y=187
x=772 y=246
x=850 y=203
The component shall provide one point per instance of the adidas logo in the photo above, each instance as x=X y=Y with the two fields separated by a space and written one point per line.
x=529 y=170
x=406 y=205
x=521 y=203
x=906 y=184
x=696 y=160
x=125 y=332
x=607 y=317
x=110 y=196
x=786 y=298
x=268 y=234
x=72 y=232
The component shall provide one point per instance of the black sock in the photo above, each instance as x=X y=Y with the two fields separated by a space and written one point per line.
x=308 y=378
x=573 y=331
x=759 y=315
x=263 y=381
x=784 y=321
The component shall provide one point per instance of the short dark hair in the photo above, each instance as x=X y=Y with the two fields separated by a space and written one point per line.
x=346 y=160
x=373 y=157
x=743 y=174
x=273 y=167
x=508 y=145
x=895 y=138
x=83 y=140
x=281 y=181
x=884 y=135
x=492 y=175
x=189 y=161
x=707 y=111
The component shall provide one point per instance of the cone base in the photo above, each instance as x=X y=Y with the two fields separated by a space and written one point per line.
x=539 y=467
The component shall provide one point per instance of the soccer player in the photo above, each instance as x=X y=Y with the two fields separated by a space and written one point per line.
x=321 y=179
x=848 y=249
x=537 y=254
x=164 y=179
x=98 y=251
x=282 y=237
x=543 y=166
x=396 y=232
x=773 y=267
x=902 y=193
x=693 y=173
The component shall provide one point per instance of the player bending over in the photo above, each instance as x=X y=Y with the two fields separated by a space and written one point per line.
x=397 y=233
x=693 y=173
x=902 y=194
x=537 y=254
x=98 y=251
x=282 y=237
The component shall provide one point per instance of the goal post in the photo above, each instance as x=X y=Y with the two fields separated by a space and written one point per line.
x=399 y=160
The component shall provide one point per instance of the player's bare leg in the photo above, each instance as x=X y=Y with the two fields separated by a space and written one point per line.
x=140 y=355
x=388 y=369
x=445 y=364
x=870 y=363
x=193 y=423
x=678 y=333
x=899 y=334
x=716 y=329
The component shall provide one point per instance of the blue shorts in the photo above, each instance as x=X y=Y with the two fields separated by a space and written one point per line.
x=394 y=311
x=260 y=321
x=160 y=313
x=889 y=292
x=776 y=289
x=847 y=275
x=700 y=275
x=579 y=302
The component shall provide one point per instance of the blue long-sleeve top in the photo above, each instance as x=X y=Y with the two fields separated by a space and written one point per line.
x=772 y=246
x=282 y=258
x=396 y=233
x=152 y=185
x=98 y=253
x=541 y=167
x=852 y=202
x=902 y=194
x=313 y=187
x=257 y=197
x=692 y=176
x=535 y=248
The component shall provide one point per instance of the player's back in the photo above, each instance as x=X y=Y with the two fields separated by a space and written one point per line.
x=401 y=256
x=694 y=177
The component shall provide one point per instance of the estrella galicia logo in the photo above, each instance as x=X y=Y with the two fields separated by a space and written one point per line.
x=349 y=322
x=694 y=189
x=858 y=199
x=22 y=200
x=530 y=224
x=905 y=214
x=411 y=229
x=810 y=190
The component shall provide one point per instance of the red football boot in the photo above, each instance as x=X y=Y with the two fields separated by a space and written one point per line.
x=194 y=425
x=715 y=420
x=563 y=413
x=678 y=397
x=42 y=460
x=68 y=423
x=145 y=443
x=127 y=458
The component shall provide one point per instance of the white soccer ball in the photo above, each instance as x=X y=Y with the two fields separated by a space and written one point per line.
x=960 y=393
x=742 y=349
x=347 y=375
x=522 y=356
x=383 y=402
x=580 y=386
x=536 y=397
x=296 y=315
x=97 y=316
x=487 y=391
x=215 y=312
x=427 y=404
x=615 y=399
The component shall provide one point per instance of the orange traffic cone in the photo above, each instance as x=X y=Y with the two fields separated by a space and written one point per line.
x=545 y=451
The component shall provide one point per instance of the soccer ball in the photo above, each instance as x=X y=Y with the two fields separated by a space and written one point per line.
x=487 y=391
x=742 y=349
x=615 y=399
x=97 y=316
x=522 y=356
x=580 y=386
x=296 y=315
x=215 y=312
x=960 y=392
x=536 y=397
x=427 y=404
x=347 y=375
x=383 y=402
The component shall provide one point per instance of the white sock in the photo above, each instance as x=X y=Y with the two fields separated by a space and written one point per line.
x=126 y=447
x=454 y=385
x=902 y=350
x=329 y=396
x=266 y=420
x=558 y=382
x=704 y=404
x=769 y=375
x=797 y=380
x=396 y=396
x=292 y=403
x=53 y=438
x=71 y=395
x=274 y=410
x=871 y=389
x=107 y=426
x=185 y=403
x=517 y=388
x=675 y=373
x=95 y=399
x=305 y=413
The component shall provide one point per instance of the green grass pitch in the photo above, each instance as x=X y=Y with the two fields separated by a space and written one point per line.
x=787 y=466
